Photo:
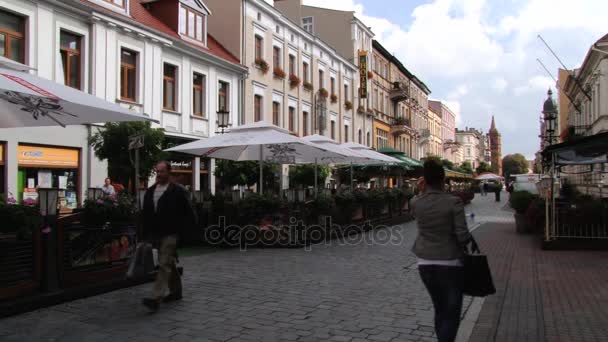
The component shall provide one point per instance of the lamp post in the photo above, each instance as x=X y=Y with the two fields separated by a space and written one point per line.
x=47 y=200
x=550 y=119
x=223 y=120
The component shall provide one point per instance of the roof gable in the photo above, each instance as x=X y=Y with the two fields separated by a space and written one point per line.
x=197 y=4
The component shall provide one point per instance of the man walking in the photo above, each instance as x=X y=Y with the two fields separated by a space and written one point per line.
x=166 y=211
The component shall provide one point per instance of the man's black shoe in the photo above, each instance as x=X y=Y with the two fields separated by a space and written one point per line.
x=151 y=304
x=172 y=297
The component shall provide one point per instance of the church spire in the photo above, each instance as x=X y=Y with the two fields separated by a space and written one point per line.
x=493 y=126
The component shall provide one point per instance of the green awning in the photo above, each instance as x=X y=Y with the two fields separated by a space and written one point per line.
x=410 y=162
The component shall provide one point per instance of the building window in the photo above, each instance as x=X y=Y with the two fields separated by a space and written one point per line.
x=360 y=137
x=119 y=3
x=12 y=36
x=305 y=123
x=277 y=29
x=223 y=94
x=321 y=77
x=381 y=138
x=276 y=107
x=346 y=92
x=70 y=58
x=276 y=57
x=305 y=72
x=191 y=23
x=292 y=65
x=345 y=133
x=198 y=95
x=332 y=85
x=292 y=38
x=259 y=16
x=367 y=139
x=307 y=24
x=292 y=119
x=128 y=72
x=169 y=87
x=259 y=42
x=333 y=130
x=257 y=108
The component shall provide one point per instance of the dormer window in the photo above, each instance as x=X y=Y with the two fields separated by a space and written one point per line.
x=119 y=3
x=192 y=23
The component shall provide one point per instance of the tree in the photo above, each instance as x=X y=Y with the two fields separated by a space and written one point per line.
x=483 y=167
x=447 y=164
x=112 y=144
x=466 y=167
x=514 y=164
x=304 y=175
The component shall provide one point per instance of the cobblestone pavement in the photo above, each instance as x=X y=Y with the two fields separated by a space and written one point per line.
x=550 y=296
x=356 y=291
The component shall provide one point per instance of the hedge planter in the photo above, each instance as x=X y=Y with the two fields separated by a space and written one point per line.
x=19 y=266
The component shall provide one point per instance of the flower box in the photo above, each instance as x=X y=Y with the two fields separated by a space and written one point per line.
x=323 y=93
x=348 y=105
x=294 y=81
x=262 y=64
x=279 y=73
x=308 y=86
x=334 y=98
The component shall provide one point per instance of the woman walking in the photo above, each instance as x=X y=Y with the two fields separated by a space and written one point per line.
x=443 y=237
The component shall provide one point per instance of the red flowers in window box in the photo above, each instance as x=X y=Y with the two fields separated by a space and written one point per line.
x=294 y=81
x=262 y=64
x=334 y=98
x=279 y=73
x=348 y=105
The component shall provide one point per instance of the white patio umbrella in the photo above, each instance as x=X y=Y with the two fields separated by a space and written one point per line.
x=8 y=63
x=27 y=100
x=258 y=141
x=488 y=176
x=350 y=156
x=379 y=158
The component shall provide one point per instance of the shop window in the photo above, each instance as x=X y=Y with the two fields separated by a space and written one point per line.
x=198 y=95
x=169 y=87
x=12 y=36
x=71 y=60
x=128 y=72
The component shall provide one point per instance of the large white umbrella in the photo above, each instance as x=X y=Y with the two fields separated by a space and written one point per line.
x=350 y=156
x=8 y=63
x=258 y=141
x=488 y=176
x=27 y=100
x=371 y=154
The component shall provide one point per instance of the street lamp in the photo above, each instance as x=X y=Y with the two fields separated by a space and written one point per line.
x=94 y=194
x=48 y=198
x=223 y=120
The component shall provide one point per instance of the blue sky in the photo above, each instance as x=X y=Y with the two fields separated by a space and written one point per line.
x=479 y=56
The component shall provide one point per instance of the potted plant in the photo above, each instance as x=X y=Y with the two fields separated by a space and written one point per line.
x=279 y=73
x=308 y=86
x=520 y=201
x=334 y=98
x=116 y=209
x=348 y=105
x=19 y=221
x=346 y=206
x=262 y=64
x=294 y=81
x=323 y=92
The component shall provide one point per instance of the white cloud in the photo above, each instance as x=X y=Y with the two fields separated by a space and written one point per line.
x=459 y=92
x=536 y=83
x=500 y=84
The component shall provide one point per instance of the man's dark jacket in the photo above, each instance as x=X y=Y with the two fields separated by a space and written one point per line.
x=174 y=213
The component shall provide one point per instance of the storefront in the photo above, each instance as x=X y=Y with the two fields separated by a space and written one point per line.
x=49 y=167
x=2 y=169
x=182 y=171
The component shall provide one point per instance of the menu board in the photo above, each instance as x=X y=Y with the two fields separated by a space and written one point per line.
x=71 y=201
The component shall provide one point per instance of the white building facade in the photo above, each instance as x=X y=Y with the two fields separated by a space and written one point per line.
x=154 y=60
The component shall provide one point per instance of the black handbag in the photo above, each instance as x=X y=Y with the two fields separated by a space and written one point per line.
x=477 y=275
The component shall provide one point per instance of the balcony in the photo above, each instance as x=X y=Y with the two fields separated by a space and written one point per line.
x=401 y=125
x=399 y=92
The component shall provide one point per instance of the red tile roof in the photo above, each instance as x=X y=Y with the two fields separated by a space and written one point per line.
x=141 y=15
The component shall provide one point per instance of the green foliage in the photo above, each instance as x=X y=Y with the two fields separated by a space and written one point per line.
x=255 y=207
x=304 y=175
x=360 y=174
x=483 y=167
x=466 y=167
x=514 y=164
x=21 y=220
x=322 y=205
x=120 y=208
x=243 y=173
x=447 y=164
x=520 y=201
x=346 y=204
x=112 y=143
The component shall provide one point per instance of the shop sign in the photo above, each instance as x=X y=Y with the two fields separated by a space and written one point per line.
x=36 y=156
x=181 y=165
x=1 y=153
x=363 y=74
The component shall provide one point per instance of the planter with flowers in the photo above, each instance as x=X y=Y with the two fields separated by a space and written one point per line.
x=348 y=105
x=262 y=64
x=294 y=81
x=308 y=86
x=279 y=73
x=323 y=93
x=370 y=75
x=333 y=98
x=20 y=248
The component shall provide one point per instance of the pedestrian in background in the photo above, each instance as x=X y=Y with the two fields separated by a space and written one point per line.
x=486 y=187
x=108 y=189
x=443 y=236
x=166 y=210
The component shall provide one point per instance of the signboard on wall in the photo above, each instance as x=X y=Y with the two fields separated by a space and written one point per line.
x=36 y=156
x=363 y=74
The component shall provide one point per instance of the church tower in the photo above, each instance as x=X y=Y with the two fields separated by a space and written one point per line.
x=496 y=149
